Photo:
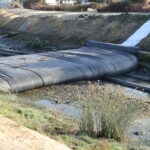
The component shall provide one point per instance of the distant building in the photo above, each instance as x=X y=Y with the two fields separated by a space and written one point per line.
x=5 y=3
x=71 y=2
x=51 y=2
x=85 y=2
x=56 y=2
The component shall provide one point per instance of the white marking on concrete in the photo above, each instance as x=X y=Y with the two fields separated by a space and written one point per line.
x=138 y=36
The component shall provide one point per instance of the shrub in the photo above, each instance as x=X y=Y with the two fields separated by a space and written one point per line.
x=29 y=3
x=100 y=5
x=15 y=5
x=146 y=9
x=134 y=7
x=36 y=43
x=115 y=7
x=108 y=114
x=73 y=8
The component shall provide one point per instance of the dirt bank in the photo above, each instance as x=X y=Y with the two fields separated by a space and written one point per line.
x=16 y=137
x=76 y=28
x=50 y=31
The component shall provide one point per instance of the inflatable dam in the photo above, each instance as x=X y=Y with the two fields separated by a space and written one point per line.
x=94 y=61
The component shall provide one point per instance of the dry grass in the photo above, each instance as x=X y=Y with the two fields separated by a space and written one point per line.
x=113 y=29
x=50 y=123
x=114 y=6
x=145 y=44
x=108 y=112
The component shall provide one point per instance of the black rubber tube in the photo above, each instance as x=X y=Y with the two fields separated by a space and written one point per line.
x=128 y=84
x=141 y=77
x=25 y=72
x=133 y=50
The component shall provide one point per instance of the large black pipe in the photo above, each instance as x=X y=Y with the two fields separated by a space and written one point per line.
x=129 y=84
x=118 y=47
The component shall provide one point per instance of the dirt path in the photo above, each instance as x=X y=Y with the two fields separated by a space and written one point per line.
x=61 y=14
x=16 y=137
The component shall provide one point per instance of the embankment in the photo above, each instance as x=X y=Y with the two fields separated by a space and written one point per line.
x=105 y=28
x=115 y=29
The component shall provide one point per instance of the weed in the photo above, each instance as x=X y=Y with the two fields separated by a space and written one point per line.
x=145 y=66
x=145 y=44
x=46 y=122
x=128 y=18
x=1 y=24
x=12 y=34
x=37 y=43
x=109 y=114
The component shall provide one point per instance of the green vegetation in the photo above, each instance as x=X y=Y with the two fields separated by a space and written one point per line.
x=145 y=65
x=129 y=18
x=145 y=44
x=99 y=5
x=12 y=34
x=1 y=24
x=144 y=57
x=28 y=3
x=37 y=43
x=108 y=115
x=51 y=124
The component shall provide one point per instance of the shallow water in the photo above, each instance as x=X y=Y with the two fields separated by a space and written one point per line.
x=136 y=93
x=140 y=132
x=71 y=111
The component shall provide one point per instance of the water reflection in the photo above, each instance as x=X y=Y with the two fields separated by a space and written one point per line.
x=68 y=110
x=136 y=93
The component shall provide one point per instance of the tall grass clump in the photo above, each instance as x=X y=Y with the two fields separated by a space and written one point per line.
x=107 y=112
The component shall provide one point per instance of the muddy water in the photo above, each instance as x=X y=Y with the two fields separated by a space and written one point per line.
x=71 y=111
x=136 y=93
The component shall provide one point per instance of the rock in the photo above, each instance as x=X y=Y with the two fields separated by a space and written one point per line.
x=81 y=16
x=12 y=34
x=91 y=10
x=15 y=5
x=138 y=133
